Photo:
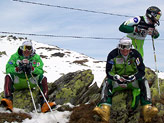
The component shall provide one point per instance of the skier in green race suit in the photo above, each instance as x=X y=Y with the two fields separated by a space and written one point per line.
x=25 y=62
x=125 y=70
x=139 y=27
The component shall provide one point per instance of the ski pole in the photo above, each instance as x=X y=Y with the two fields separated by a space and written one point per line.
x=41 y=92
x=30 y=91
x=156 y=66
x=43 y=95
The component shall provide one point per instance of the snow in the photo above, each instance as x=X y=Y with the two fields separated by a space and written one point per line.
x=161 y=75
x=54 y=68
x=50 y=117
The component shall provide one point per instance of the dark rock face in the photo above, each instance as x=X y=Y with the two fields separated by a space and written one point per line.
x=58 y=54
x=12 y=117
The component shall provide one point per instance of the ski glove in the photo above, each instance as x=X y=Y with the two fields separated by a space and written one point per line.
x=19 y=69
x=154 y=34
x=28 y=68
x=131 y=78
x=118 y=79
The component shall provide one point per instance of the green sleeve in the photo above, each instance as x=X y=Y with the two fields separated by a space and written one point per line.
x=38 y=65
x=126 y=29
x=11 y=64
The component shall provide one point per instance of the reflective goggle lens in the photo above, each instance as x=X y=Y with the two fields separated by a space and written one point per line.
x=29 y=48
x=157 y=16
x=122 y=47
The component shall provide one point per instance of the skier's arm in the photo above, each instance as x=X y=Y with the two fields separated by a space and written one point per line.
x=110 y=65
x=129 y=25
x=139 y=64
x=125 y=28
x=11 y=65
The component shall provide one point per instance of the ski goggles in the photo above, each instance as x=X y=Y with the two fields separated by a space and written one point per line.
x=29 y=48
x=122 y=47
x=157 y=15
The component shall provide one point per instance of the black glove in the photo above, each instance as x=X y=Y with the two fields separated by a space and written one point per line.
x=118 y=79
x=19 y=69
x=131 y=78
x=27 y=68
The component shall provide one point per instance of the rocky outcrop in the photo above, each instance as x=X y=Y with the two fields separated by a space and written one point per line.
x=73 y=87
x=121 y=106
x=77 y=88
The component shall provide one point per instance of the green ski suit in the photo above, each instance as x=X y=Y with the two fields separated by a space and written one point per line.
x=116 y=64
x=19 y=79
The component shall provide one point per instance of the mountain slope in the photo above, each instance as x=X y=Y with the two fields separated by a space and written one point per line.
x=57 y=61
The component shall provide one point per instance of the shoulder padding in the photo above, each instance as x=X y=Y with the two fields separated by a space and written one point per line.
x=133 y=21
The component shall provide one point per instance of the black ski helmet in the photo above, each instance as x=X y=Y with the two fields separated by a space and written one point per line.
x=154 y=13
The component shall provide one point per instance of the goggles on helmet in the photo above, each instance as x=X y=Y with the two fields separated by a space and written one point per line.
x=156 y=15
x=122 y=47
x=29 y=48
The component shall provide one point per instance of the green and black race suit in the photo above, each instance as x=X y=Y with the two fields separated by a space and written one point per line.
x=133 y=65
x=141 y=22
x=116 y=64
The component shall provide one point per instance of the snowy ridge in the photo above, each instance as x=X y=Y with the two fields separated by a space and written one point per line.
x=57 y=61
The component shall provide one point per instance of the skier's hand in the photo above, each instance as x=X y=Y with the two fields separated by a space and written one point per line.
x=29 y=68
x=118 y=79
x=19 y=69
x=131 y=78
x=155 y=33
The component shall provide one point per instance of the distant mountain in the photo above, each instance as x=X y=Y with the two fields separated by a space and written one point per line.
x=57 y=61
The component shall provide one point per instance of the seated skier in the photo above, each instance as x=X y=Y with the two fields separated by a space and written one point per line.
x=125 y=70
x=22 y=65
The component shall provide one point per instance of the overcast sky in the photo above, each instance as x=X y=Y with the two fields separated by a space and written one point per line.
x=29 y=18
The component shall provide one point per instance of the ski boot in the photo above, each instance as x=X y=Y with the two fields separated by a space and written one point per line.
x=7 y=103
x=103 y=111
x=149 y=112
x=45 y=107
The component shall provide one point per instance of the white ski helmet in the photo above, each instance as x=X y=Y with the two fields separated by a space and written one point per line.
x=27 y=45
x=125 y=43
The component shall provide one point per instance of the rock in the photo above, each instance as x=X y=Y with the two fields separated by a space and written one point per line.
x=76 y=88
x=71 y=87
x=13 y=117
x=22 y=99
x=121 y=108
